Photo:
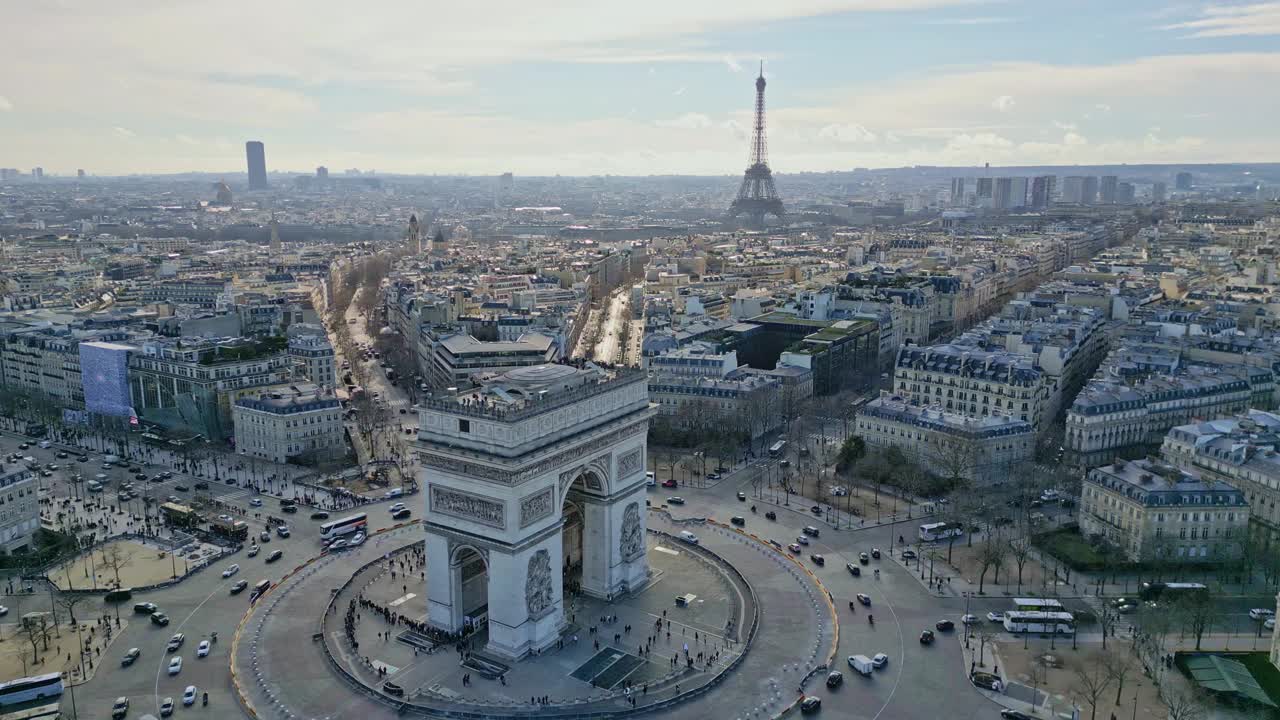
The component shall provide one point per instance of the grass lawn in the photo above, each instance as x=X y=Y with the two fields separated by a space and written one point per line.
x=1259 y=664
x=1070 y=547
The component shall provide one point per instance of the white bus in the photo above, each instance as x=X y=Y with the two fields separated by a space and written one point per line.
x=776 y=449
x=931 y=532
x=1038 y=605
x=26 y=689
x=345 y=526
x=1062 y=623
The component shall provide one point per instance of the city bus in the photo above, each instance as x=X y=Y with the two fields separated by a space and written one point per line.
x=36 y=687
x=1038 y=605
x=1062 y=623
x=776 y=449
x=1169 y=592
x=931 y=532
x=230 y=529
x=345 y=526
x=179 y=515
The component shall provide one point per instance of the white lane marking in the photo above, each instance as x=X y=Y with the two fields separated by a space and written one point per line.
x=402 y=600
x=902 y=653
x=164 y=660
x=666 y=550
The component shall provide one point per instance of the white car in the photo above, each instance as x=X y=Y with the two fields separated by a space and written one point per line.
x=396 y=507
x=3 y=611
x=202 y=650
x=255 y=502
x=224 y=518
x=880 y=660
x=995 y=616
x=189 y=695
x=231 y=570
x=253 y=551
x=175 y=665
x=166 y=707
x=839 y=491
x=1269 y=623
x=1261 y=613
x=357 y=539
x=969 y=619
x=803 y=539
x=339 y=544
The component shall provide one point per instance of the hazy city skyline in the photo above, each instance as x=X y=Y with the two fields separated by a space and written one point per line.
x=624 y=89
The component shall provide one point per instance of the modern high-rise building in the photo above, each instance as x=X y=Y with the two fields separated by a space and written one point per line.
x=1158 y=192
x=1009 y=192
x=80 y=174
x=37 y=173
x=1042 y=188
x=1125 y=193
x=957 y=191
x=1182 y=181
x=1109 y=186
x=1073 y=189
x=1089 y=194
x=986 y=191
x=322 y=173
x=256 y=154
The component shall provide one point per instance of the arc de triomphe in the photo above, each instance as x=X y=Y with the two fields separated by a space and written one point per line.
x=534 y=478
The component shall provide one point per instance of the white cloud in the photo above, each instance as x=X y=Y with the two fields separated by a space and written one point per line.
x=732 y=64
x=1004 y=103
x=679 y=91
x=986 y=20
x=124 y=132
x=5 y=104
x=1255 y=19
x=687 y=121
x=847 y=133
x=186 y=139
x=1074 y=138
x=1103 y=108
x=1064 y=125
x=965 y=141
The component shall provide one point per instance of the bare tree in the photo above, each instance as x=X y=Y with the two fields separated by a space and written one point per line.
x=1020 y=551
x=1183 y=702
x=115 y=558
x=1091 y=680
x=953 y=458
x=985 y=636
x=69 y=601
x=1119 y=664
x=990 y=554
x=1156 y=624
x=1196 y=611
x=36 y=628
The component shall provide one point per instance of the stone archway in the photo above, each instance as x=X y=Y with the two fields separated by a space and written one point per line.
x=470 y=566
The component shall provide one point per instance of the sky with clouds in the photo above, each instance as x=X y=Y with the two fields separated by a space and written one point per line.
x=584 y=87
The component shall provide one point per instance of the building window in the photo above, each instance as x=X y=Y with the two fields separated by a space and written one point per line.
x=464 y=425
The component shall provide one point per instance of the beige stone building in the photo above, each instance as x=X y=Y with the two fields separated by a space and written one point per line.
x=289 y=421
x=1156 y=512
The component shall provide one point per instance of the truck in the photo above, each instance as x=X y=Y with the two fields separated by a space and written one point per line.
x=861 y=664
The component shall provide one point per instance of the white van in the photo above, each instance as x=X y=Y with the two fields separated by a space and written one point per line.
x=650 y=479
x=94 y=486
x=393 y=493
x=688 y=537
x=45 y=444
x=861 y=664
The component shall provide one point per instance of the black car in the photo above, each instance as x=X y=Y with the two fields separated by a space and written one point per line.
x=391 y=688
x=864 y=558
x=811 y=531
x=202 y=485
x=818 y=559
x=908 y=554
x=289 y=509
x=319 y=515
x=275 y=555
x=130 y=657
x=875 y=553
x=738 y=520
x=1008 y=714
x=816 y=510
x=146 y=608
x=854 y=570
x=926 y=637
x=401 y=514
x=160 y=619
x=742 y=496
x=834 y=678
x=771 y=515
x=944 y=626
x=810 y=705
x=239 y=587
x=181 y=488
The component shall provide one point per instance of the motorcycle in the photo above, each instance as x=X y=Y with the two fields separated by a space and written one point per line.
x=753 y=508
x=852 y=607
x=871 y=620
x=213 y=637
x=205 y=701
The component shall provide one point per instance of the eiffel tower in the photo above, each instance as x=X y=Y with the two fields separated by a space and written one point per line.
x=758 y=197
